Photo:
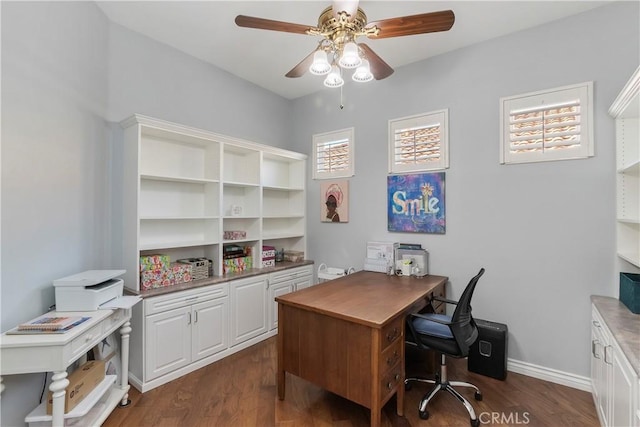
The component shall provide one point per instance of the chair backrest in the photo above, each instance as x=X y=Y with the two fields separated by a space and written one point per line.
x=463 y=327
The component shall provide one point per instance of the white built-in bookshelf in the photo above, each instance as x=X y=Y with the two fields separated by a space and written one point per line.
x=183 y=187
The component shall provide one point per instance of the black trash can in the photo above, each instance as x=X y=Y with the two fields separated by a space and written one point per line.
x=488 y=355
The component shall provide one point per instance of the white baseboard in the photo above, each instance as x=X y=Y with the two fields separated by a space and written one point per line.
x=548 y=374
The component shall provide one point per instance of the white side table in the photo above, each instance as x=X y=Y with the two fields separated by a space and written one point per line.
x=24 y=354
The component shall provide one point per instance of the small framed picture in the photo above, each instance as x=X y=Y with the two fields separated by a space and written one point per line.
x=236 y=210
x=334 y=201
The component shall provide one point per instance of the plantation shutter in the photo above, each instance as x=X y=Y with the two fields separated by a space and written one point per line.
x=549 y=125
x=550 y=128
x=333 y=154
x=418 y=143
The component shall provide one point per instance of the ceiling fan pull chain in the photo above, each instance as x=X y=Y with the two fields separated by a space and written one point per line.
x=341 y=104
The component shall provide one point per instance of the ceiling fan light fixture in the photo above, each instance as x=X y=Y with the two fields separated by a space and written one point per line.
x=350 y=57
x=363 y=73
x=320 y=65
x=334 y=79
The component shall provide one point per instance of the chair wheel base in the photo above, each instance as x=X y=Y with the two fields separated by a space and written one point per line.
x=478 y=396
x=424 y=415
x=475 y=423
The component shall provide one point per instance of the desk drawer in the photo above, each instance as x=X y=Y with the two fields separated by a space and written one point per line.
x=112 y=320
x=391 y=381
x=391 y=332
x=86 y=341
x=390 y=356
x=438 y=306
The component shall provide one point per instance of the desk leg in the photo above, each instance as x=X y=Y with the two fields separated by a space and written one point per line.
x=280 y=375
x=58 y=387
x=125 y=330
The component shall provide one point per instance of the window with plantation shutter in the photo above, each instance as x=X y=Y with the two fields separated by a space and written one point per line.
x=550 y=125
x=419 y=143
x=333 y=154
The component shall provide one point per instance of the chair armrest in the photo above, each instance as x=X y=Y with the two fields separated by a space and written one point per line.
x=448 y=301
x=442 y=322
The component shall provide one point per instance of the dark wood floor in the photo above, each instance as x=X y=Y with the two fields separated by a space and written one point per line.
x=240 y=390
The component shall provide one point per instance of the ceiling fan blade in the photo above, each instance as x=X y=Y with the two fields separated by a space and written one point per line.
x=268 y=24
x=379 y=68
x=302 y=67
x=415 y=24
x=349 y=6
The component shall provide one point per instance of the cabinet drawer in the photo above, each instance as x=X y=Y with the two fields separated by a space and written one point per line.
x=391 y=333
x=184 y=298
x=390 y=381
x=290 y=274
x=390 y=356
x=87 y=340
x=113 y=320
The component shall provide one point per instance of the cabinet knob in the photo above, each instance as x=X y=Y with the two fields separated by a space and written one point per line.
x=89 y=338
x=392 y=335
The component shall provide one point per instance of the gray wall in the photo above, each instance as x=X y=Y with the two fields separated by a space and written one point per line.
x=544 y=232
x=67 y=75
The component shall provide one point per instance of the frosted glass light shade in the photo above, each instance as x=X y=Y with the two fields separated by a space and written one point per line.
x=320 y=65
x=334 y=79
x=350 y=57
x=363 y=73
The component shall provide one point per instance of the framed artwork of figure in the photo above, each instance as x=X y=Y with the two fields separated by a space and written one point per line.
x=334 y=197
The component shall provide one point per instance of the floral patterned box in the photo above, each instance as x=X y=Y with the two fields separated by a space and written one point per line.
x=235 y=265
x=154 y=262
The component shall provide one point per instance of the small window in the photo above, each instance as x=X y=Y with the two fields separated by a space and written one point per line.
x=555 y=124
x=419 y=143
x=333 y=154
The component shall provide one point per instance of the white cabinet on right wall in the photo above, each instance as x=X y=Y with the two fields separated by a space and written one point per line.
x=626 y=110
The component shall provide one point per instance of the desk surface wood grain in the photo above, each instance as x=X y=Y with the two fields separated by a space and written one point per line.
x=367 y=298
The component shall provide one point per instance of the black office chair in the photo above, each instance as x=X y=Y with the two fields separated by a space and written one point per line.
x=450 y=336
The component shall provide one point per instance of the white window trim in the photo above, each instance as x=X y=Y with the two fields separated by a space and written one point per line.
x=538 y=100
x=323 y=138
x=425 y=119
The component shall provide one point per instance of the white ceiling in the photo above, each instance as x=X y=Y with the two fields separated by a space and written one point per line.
x=206 y=30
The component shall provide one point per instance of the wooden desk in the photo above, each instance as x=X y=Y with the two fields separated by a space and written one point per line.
x=347 y=335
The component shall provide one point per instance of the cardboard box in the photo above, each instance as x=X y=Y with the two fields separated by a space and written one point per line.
x=82 y=381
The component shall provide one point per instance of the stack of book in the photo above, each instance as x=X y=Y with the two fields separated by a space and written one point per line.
x=49 y=324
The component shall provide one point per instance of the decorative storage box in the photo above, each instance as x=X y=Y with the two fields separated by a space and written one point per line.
x=154 y=262
x=199 y=267
x=293 y=256
x=235 y=265
x=234 y=235
x=181 y=272
x=268 y=256
x=630 y=291
x=152 y=279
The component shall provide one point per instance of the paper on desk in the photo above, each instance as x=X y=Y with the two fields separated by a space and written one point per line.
x=121 y=302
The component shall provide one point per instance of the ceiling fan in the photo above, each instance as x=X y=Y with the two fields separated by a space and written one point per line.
x=340 y=25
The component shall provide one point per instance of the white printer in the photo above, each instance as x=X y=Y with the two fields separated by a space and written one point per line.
x=88 y=290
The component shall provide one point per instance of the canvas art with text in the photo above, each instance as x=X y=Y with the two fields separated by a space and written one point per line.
x=416 y=203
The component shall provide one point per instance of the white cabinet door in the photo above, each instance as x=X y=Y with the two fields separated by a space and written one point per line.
x=168 y=342
x=622 y=383
x=209 y=328
x=248 y=308
x=275 y=291
x=303 y=282
x=600 y=370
